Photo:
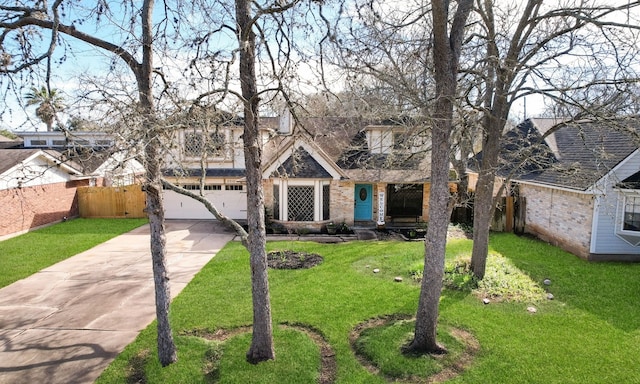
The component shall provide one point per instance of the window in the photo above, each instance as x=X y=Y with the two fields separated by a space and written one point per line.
x=400 y=141
x=233 y=187
x=38 y=143
x=276 y=202
x=628 y=219
x=631 y=219
x=196 y=187
x=195 y=144
x=300 y=203
x=215 y=145
x=59 y=143
x=192 y=144
x=325 y=201
x=104 y=143
x=301 y=200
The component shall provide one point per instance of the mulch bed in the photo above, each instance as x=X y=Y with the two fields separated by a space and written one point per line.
x=288 y=259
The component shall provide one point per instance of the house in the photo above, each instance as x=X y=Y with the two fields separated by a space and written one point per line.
x=580 y=182
x=38 y=182
x=315 y=171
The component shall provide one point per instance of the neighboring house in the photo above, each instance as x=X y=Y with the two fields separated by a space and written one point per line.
x=38 y=182
x=36 y=188
x=318 y=171
x=8 y=142
x=581 y=184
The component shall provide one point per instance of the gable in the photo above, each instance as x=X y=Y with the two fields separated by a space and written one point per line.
x=301 y=159
x=30 y=167
x=300 y=164
x=631 y=182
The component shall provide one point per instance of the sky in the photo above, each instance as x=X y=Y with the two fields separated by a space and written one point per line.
x=68 y=78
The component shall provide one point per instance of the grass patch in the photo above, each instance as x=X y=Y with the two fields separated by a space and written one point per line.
x=589 y=333
x=383 y=345
x=24 y=255
x=503 y=281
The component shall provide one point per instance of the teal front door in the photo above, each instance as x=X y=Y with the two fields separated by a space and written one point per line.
x=363 y=202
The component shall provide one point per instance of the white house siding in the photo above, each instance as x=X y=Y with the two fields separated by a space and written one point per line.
x=605 y=240
x=32 y=173
x=563 y=218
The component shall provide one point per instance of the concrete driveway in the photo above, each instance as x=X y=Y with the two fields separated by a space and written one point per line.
x=66 y=323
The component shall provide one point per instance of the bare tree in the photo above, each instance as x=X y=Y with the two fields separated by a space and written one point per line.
x=414 y=52
x=23 y=23
x=567 y=52
x=448 y=34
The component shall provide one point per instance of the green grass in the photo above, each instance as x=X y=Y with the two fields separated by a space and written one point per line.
x=26 y=254
x=588 y=333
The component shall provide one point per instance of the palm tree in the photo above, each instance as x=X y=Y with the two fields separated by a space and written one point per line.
x=49 y=103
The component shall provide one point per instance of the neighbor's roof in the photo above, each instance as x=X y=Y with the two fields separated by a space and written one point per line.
x=573 y=155
x=12 y=157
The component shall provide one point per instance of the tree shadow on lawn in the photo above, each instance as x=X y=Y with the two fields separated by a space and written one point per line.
x=608 y=290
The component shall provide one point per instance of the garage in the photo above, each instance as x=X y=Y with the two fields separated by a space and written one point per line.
x=231 y=200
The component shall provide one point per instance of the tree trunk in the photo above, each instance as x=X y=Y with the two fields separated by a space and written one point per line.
x=153 y=186
x=446 y=54
x=262 y=340
x=484 y=202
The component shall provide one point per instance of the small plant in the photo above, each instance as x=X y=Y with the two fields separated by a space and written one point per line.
x=344 y=228
x=303 y=231
x=458 y=275
x=212 y=358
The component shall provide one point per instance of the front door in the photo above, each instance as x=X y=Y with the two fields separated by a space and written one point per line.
x=363 y=199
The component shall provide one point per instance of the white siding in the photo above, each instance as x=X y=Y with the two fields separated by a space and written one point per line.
x=605 y=240
x=37 y=171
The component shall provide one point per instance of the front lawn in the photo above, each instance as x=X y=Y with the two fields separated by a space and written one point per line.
x=589 y=332
x=26 y=254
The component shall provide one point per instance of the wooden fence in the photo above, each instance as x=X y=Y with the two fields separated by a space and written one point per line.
x=112 y=202
x=509 y=215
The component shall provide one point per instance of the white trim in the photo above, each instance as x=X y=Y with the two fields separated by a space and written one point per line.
x=317 y=155
x=594 y=223
x=619 y=223
x=283 y=186
x=553 y=186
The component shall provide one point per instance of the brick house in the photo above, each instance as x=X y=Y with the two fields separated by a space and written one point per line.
x=580 y=183
x=39 y=180
x=315 y=171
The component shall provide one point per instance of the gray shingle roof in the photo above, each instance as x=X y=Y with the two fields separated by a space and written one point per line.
x=574 y=155
x=11 y=157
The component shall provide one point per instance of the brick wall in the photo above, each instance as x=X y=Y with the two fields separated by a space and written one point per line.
x=562 y=218
x=341 y=206
x=26 y=208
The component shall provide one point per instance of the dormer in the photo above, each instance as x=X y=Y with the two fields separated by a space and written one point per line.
x=386 y=139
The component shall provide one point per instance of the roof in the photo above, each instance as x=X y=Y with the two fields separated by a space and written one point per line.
x=7 y=142
x=572 y=155
x=343 y=141
x=631 y=182
x=12 y=157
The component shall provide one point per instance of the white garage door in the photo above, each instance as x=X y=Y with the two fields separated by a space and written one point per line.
x=231 y=203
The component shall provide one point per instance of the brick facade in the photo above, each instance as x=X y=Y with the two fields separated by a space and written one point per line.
x=562 y=218
x=26 y=208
